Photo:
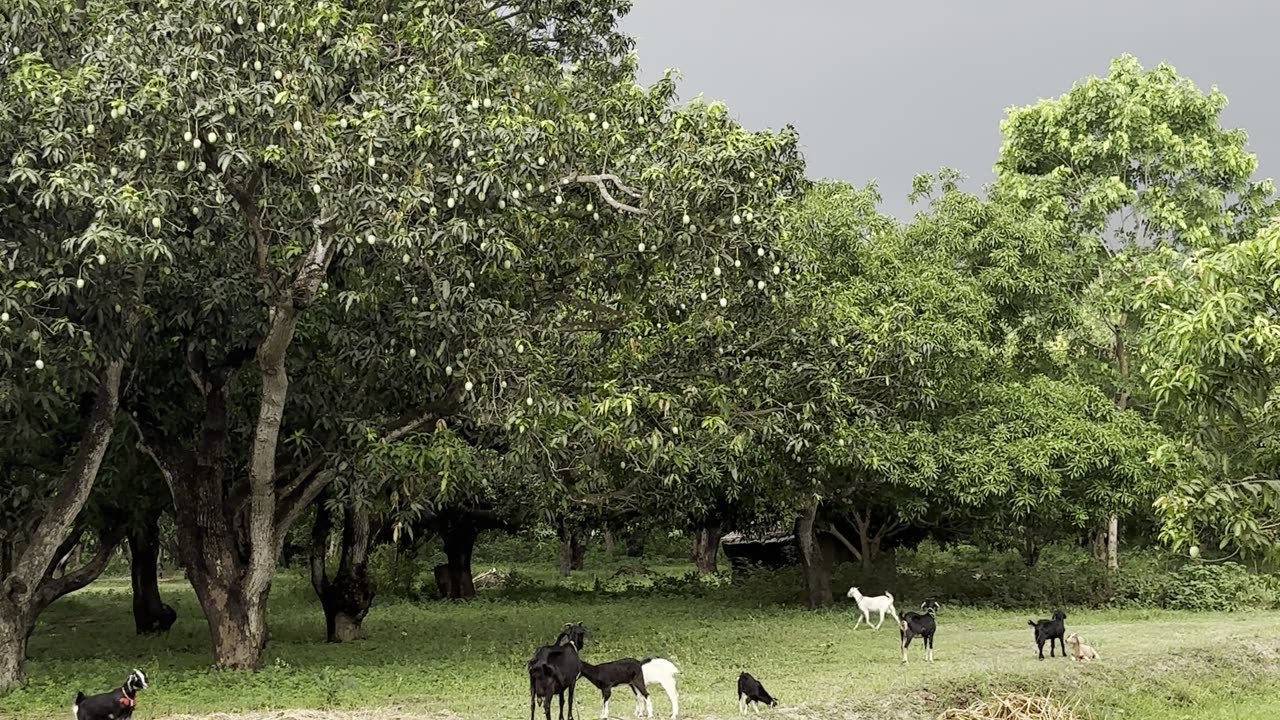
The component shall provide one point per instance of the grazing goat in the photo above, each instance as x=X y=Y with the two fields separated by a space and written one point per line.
x=1080 y=651
x=114 y=705
x=658 y=671
x=867 y=605
x=607 y=676
x=1050 y=630
x=553 y=670
x=752 y=693
x=913 y=624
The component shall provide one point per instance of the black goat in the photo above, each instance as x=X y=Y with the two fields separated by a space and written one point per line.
x=607 y=676
x=752 y=693
x=114 y=705
x=914 y=624
x=574 y=633
x=1050 y=630
x=554 y=670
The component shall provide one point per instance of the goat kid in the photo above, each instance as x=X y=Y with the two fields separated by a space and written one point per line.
x=752 y=693
x=1050 y=630
x=553 y=671
x=607 y=676
x=661 y=672
x=914 y=624
x=1080 y=651
x=867 y=605
x=114 y=705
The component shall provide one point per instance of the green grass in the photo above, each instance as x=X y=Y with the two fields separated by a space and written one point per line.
x=445 y=659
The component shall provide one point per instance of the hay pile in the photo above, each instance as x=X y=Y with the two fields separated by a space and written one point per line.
x=492 y=578
x=1014 y=706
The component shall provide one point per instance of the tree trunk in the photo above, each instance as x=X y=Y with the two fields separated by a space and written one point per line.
x=150 y=613
x=29 y=586
x=237 y=625
x=572 y=551
x=1113 y=544
x=816 y=573
x=459 y=542
x=14 y=632
x=346 y=598
x=635 y=543
x=608 y=544
x=1098 y=543
x=6 y=558
x=706 y=548
x=1030 y=550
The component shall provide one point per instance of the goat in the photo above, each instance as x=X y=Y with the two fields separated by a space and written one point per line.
x=1080 y=651
x=114 y=705
x=867 y=605
x=751 y=692
x=659 y=671
x=575 y=633
x=913 y=624
x=1050 y=630
x=554 y=670
x=607 y=676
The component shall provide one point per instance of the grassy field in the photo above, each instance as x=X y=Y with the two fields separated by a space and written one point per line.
x=440 y=660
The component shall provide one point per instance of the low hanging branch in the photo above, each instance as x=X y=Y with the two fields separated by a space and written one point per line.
x=602 y=183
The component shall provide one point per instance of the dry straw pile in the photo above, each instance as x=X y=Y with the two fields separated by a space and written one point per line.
x=1014 y=706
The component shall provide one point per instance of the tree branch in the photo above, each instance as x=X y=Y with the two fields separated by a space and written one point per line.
x=600 y=182
x=51 y=589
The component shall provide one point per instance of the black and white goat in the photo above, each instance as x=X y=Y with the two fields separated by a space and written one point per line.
x=554 y=670
x=1050 y=630
x=914 y=624
x=114 y=705
x=752 y=693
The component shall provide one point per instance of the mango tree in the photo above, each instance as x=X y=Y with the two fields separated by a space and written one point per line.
x=1135 y=159
x=1211 y=338
x=289 y=157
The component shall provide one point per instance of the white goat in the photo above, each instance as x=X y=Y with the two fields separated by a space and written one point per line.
x=867 y=605
x=658 y=671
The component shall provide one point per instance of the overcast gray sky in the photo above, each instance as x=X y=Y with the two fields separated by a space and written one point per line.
x=884 y=90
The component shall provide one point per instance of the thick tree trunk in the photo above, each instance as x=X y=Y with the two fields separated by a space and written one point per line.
x=150 y=613
x=706 y=548
x=816 y=573
x=347 y=597
x=237 y=626
x=459 y=542
x=14 y=631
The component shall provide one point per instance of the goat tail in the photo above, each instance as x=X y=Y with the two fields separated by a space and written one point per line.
x=1032 y=623
x=888 y=595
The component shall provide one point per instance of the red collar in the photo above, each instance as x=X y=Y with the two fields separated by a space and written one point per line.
x=126 y=701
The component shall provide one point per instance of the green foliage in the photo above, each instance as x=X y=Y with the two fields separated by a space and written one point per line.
x=1210 y=325
x=1137 y=156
